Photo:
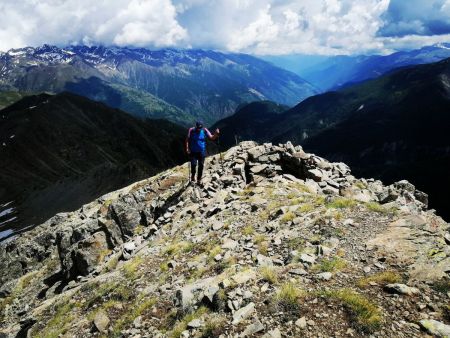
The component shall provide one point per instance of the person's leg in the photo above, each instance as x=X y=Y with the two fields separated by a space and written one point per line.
x=201 y=163
x=193 y=166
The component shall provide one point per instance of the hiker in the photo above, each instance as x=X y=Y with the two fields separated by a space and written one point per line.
x=196 y=148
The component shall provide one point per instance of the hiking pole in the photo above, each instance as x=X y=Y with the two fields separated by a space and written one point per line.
x=220 y=153
x=189 y=166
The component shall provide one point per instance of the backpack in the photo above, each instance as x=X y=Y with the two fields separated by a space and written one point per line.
x=197 y=140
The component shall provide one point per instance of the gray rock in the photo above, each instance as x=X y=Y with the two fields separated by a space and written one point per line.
x=435 y=328
x=88 y=254
x=253 y=328
x=128 y=249
x=229 y=244
x=243 y=313
x=307 y=258
x=125 y=211
x=325 y=275
x=401 y=289
x=298 y=272
x=447 y=238
x=301 y=323
x=255 y=152
x=217 y=225
x=316 y=174
x=328 y=190
x=210 y=291
x=404 y=185
x=244 y=276
x=264 y=260
x=421 y=197
x=194 y=324
x=101 y=321
x=257 y=169
x=275 y=333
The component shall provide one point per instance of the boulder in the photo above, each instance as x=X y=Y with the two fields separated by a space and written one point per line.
x=89 y=253
x=435 y=328
x=256 y=152
x=253 y=328
x=101 y=321
x=243 y=313
x=125 y=212
x=401 y=289
x=307 y=258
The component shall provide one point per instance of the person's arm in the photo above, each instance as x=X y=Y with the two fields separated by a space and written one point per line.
x=211 y=136
x=187 y=141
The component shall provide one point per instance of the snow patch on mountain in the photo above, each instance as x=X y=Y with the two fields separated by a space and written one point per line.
x=257 y=93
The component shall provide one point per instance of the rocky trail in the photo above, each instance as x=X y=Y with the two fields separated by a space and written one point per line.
x=276 y=243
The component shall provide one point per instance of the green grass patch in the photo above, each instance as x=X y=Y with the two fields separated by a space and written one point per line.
x=140 y=306
x=59 y=323
x=287 y=217
x=377 y=207
x=341 y=203
x=131 y=267
x=269 y=274
x=360 y=185
x=248 y=230
x=100 y=293
x=386 y=277
x=213 y=253
x=442 y=286
x=330 y=265
x=367 y=316
x=296 y=243
x=214 y=327
x=182 y=324
x=288 y=297
x=305 y=208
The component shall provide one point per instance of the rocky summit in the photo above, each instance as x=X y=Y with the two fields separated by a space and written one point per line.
x=275 y=243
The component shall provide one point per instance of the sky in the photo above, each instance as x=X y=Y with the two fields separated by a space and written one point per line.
x=260 y=27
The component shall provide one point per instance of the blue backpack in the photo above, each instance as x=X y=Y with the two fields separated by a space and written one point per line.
x=197 y=140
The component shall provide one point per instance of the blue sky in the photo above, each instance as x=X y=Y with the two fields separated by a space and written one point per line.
x=250 y=26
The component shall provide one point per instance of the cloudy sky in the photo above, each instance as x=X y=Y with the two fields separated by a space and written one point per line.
x=250 y=26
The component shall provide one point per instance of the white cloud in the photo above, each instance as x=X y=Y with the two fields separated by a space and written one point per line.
x=285 y=26
x=121 y=22
x=251 y=26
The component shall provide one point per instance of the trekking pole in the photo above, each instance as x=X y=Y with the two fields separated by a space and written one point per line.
x=220 y=153
x=189 y=169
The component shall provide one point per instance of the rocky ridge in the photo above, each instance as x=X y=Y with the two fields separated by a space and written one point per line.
x=276 y=243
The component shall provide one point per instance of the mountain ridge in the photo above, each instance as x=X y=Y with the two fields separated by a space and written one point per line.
x=406 y=107
x=277 y=242
x=335 y=72
x=204 y=84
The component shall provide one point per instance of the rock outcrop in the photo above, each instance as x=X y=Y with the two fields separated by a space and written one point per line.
x=276 y=242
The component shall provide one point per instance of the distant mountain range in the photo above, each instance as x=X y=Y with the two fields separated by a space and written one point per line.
x=334 y=72
x=59 y=152
x=180 y=85
x=392 y=127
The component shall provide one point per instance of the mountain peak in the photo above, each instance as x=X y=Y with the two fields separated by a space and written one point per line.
x=276 y=240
